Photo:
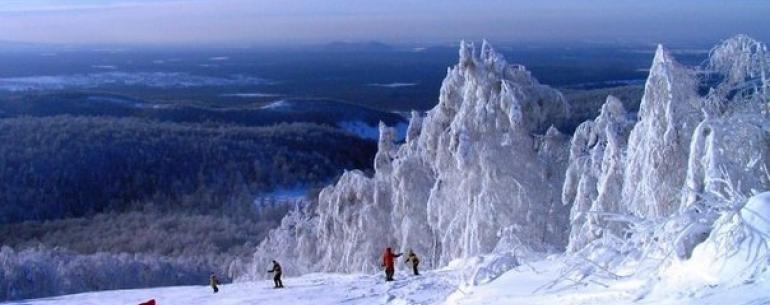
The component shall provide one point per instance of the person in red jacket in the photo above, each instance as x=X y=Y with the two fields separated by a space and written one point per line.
x=389 y=262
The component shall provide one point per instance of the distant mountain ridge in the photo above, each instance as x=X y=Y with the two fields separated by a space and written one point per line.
x=328 y=112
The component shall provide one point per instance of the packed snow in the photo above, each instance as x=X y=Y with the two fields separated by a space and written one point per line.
x=315 y=289
x=524 y=283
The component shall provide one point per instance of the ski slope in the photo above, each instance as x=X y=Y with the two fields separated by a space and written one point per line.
x=315 y=289
x=522 y=285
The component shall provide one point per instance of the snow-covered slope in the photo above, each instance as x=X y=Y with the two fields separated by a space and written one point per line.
x=311 y=289
x=708 y=279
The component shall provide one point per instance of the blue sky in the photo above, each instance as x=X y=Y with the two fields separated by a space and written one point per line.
x=407 y=21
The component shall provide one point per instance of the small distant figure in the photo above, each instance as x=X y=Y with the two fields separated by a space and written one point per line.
x=277 y=274
x=412 y=258
x=150 y=302
x=214 y=282
x=388 y=261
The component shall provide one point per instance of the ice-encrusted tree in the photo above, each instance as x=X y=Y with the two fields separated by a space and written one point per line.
x=700 y=148
x=659 y=143
x=484 y=170
x=483 y=161
x=594 y=178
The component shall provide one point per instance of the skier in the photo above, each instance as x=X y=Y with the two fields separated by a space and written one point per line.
x=214 y=282
x=277 y=275
x=388 y=261
x=414 y=260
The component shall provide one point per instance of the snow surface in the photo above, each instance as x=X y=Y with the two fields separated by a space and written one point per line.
x=522 y=285
x=312 y=289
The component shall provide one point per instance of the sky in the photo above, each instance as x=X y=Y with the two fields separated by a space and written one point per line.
x=268 y=22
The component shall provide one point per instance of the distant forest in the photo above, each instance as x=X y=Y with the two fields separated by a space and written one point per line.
x=63 y=166
x=94 y=202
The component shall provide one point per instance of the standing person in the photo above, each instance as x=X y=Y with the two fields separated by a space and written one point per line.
x=277 y=274
x=388 y=261
x=214 y=282
x=414 y=260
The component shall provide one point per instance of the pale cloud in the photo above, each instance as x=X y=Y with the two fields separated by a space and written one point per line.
x=303 y=21
x=41 y=6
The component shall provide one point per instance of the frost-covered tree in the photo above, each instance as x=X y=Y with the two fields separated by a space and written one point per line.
x=483 y=172
x=483 y=161
x=594 y=177
x=701 y=147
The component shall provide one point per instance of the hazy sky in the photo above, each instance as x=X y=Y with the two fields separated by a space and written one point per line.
x=410 y=21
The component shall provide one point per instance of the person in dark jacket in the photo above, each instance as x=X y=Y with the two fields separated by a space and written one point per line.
x=412 y=258
x=389 y=262
x=214 y=282
x=276 y=274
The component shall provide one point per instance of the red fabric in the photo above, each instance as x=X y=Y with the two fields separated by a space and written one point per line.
x=389 y=259
x=150 y=302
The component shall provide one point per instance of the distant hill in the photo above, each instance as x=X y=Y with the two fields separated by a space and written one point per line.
x=64 y=166
x=328 y=112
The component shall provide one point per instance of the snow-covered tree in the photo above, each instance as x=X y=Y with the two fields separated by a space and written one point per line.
x=484 y=171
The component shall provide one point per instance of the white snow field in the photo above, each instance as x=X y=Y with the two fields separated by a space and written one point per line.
x=524 y=285
x=312 y=289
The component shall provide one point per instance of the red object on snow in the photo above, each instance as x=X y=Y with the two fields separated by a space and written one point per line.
x=150 y=302
x=388 y=258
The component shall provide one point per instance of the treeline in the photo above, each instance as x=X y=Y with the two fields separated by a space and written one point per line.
x=170 y=234
x=63 y=166
x=586 y=104
x=130 y=250
x=40 y=272
x=317 y=111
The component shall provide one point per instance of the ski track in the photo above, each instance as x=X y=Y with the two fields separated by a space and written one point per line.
x=518 y=286
x=315 y=289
